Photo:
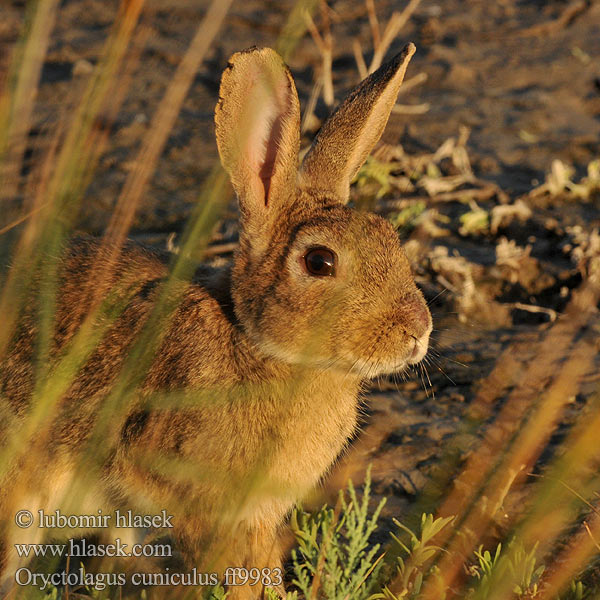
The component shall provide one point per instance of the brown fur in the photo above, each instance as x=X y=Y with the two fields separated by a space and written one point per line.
x=267 y=359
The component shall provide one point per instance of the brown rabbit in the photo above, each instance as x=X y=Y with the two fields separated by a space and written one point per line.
x=267 y=357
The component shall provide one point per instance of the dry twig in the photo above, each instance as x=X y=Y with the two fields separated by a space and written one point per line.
x=393 y=27
x=568 y=15
x=325 y=45
x=411 y=109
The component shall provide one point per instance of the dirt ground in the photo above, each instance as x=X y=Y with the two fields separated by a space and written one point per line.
x=522 y=76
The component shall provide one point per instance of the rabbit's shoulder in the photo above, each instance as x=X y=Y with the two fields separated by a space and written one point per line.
x=205 y=344
x=201 y=342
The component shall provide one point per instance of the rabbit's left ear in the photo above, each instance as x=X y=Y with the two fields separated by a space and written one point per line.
x=346 y=138
x=257 y=123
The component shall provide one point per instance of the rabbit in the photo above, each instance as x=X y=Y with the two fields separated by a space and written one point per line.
x=268 y=356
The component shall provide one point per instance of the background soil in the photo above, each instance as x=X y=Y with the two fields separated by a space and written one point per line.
x=523 y=76
x=528 y=97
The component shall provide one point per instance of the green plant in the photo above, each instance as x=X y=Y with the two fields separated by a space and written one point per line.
x=419 y=551
x=375 y=172
x=405 y=220
x=219 y=593
x=333 y=559
x=271 y=594
x=474 y=222
x=525 y=570
x=516 y=566
x=486 y=563
x=576 y=591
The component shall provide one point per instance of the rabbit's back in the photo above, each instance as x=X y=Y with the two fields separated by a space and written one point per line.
x=195 y=348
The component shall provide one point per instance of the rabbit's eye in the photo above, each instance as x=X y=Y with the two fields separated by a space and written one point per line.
x=320 y=262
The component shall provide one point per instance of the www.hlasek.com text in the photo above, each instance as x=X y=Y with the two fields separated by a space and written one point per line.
x=84 y=548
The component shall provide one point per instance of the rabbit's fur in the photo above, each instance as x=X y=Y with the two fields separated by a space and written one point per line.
x=268 y=358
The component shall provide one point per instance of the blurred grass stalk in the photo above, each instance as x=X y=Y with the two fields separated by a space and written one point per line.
x=208 y=209
x=18 y=97
x=213 y=200
x=510 y=449
x=48 y=227
x=66 y=174
x=70 y=170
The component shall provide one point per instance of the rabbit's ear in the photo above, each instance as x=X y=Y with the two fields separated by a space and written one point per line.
x=346 y=138
x=257 y=123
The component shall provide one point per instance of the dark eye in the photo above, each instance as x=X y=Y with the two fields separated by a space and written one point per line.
x=320 y=262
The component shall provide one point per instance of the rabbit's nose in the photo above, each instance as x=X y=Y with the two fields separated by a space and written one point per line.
x=419 y=317
x=420 y=327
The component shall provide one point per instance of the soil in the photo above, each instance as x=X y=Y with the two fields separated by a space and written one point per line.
x=523 y=76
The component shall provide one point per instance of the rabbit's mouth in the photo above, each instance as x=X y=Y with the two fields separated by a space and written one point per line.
x=416 y=353
x=375 y=368
x=419 y=349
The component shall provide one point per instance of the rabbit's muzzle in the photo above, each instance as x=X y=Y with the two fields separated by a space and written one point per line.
x=422 y=326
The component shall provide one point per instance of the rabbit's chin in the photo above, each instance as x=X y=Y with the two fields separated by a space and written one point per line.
x=361 y=368
x=371 y=370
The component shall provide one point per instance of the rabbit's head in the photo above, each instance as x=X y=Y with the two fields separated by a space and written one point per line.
x=315 y=282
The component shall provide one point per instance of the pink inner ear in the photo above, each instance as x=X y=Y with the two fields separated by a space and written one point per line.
x=270 y=156
x=264 y=144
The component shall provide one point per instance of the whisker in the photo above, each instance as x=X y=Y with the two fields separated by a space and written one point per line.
x=457 y=362
x=429 y=380
x=423 y=379
x=435 y=363
x=443 y=291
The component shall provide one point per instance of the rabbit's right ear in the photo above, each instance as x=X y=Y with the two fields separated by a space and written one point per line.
x=257 y=123
x=349 y=134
